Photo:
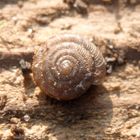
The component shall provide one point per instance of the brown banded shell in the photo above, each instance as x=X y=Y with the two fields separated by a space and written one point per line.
x=67 y=65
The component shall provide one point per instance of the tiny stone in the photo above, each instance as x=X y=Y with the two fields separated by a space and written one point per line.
x=24 y=64
x=26 y=118
x=110 y=47
x=110 y=59
x=30 y=30
x=109 y=70
x=36 y=65
x=54 y=83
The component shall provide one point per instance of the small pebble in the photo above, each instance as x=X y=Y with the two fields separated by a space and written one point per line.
x=109 y=69
x=26 y=117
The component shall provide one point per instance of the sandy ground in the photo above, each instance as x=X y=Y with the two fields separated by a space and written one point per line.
x=107 y=112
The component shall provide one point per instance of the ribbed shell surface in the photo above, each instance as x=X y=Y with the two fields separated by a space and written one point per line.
x=67 y=65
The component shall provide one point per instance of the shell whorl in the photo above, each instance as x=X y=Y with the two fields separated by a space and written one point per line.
x=67 y=65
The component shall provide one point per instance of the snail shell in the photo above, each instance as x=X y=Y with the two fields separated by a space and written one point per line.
x=67 y=65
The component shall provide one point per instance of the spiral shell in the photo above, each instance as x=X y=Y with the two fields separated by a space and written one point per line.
x=67 y=65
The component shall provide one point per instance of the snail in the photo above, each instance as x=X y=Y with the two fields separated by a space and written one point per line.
x=67 y=65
